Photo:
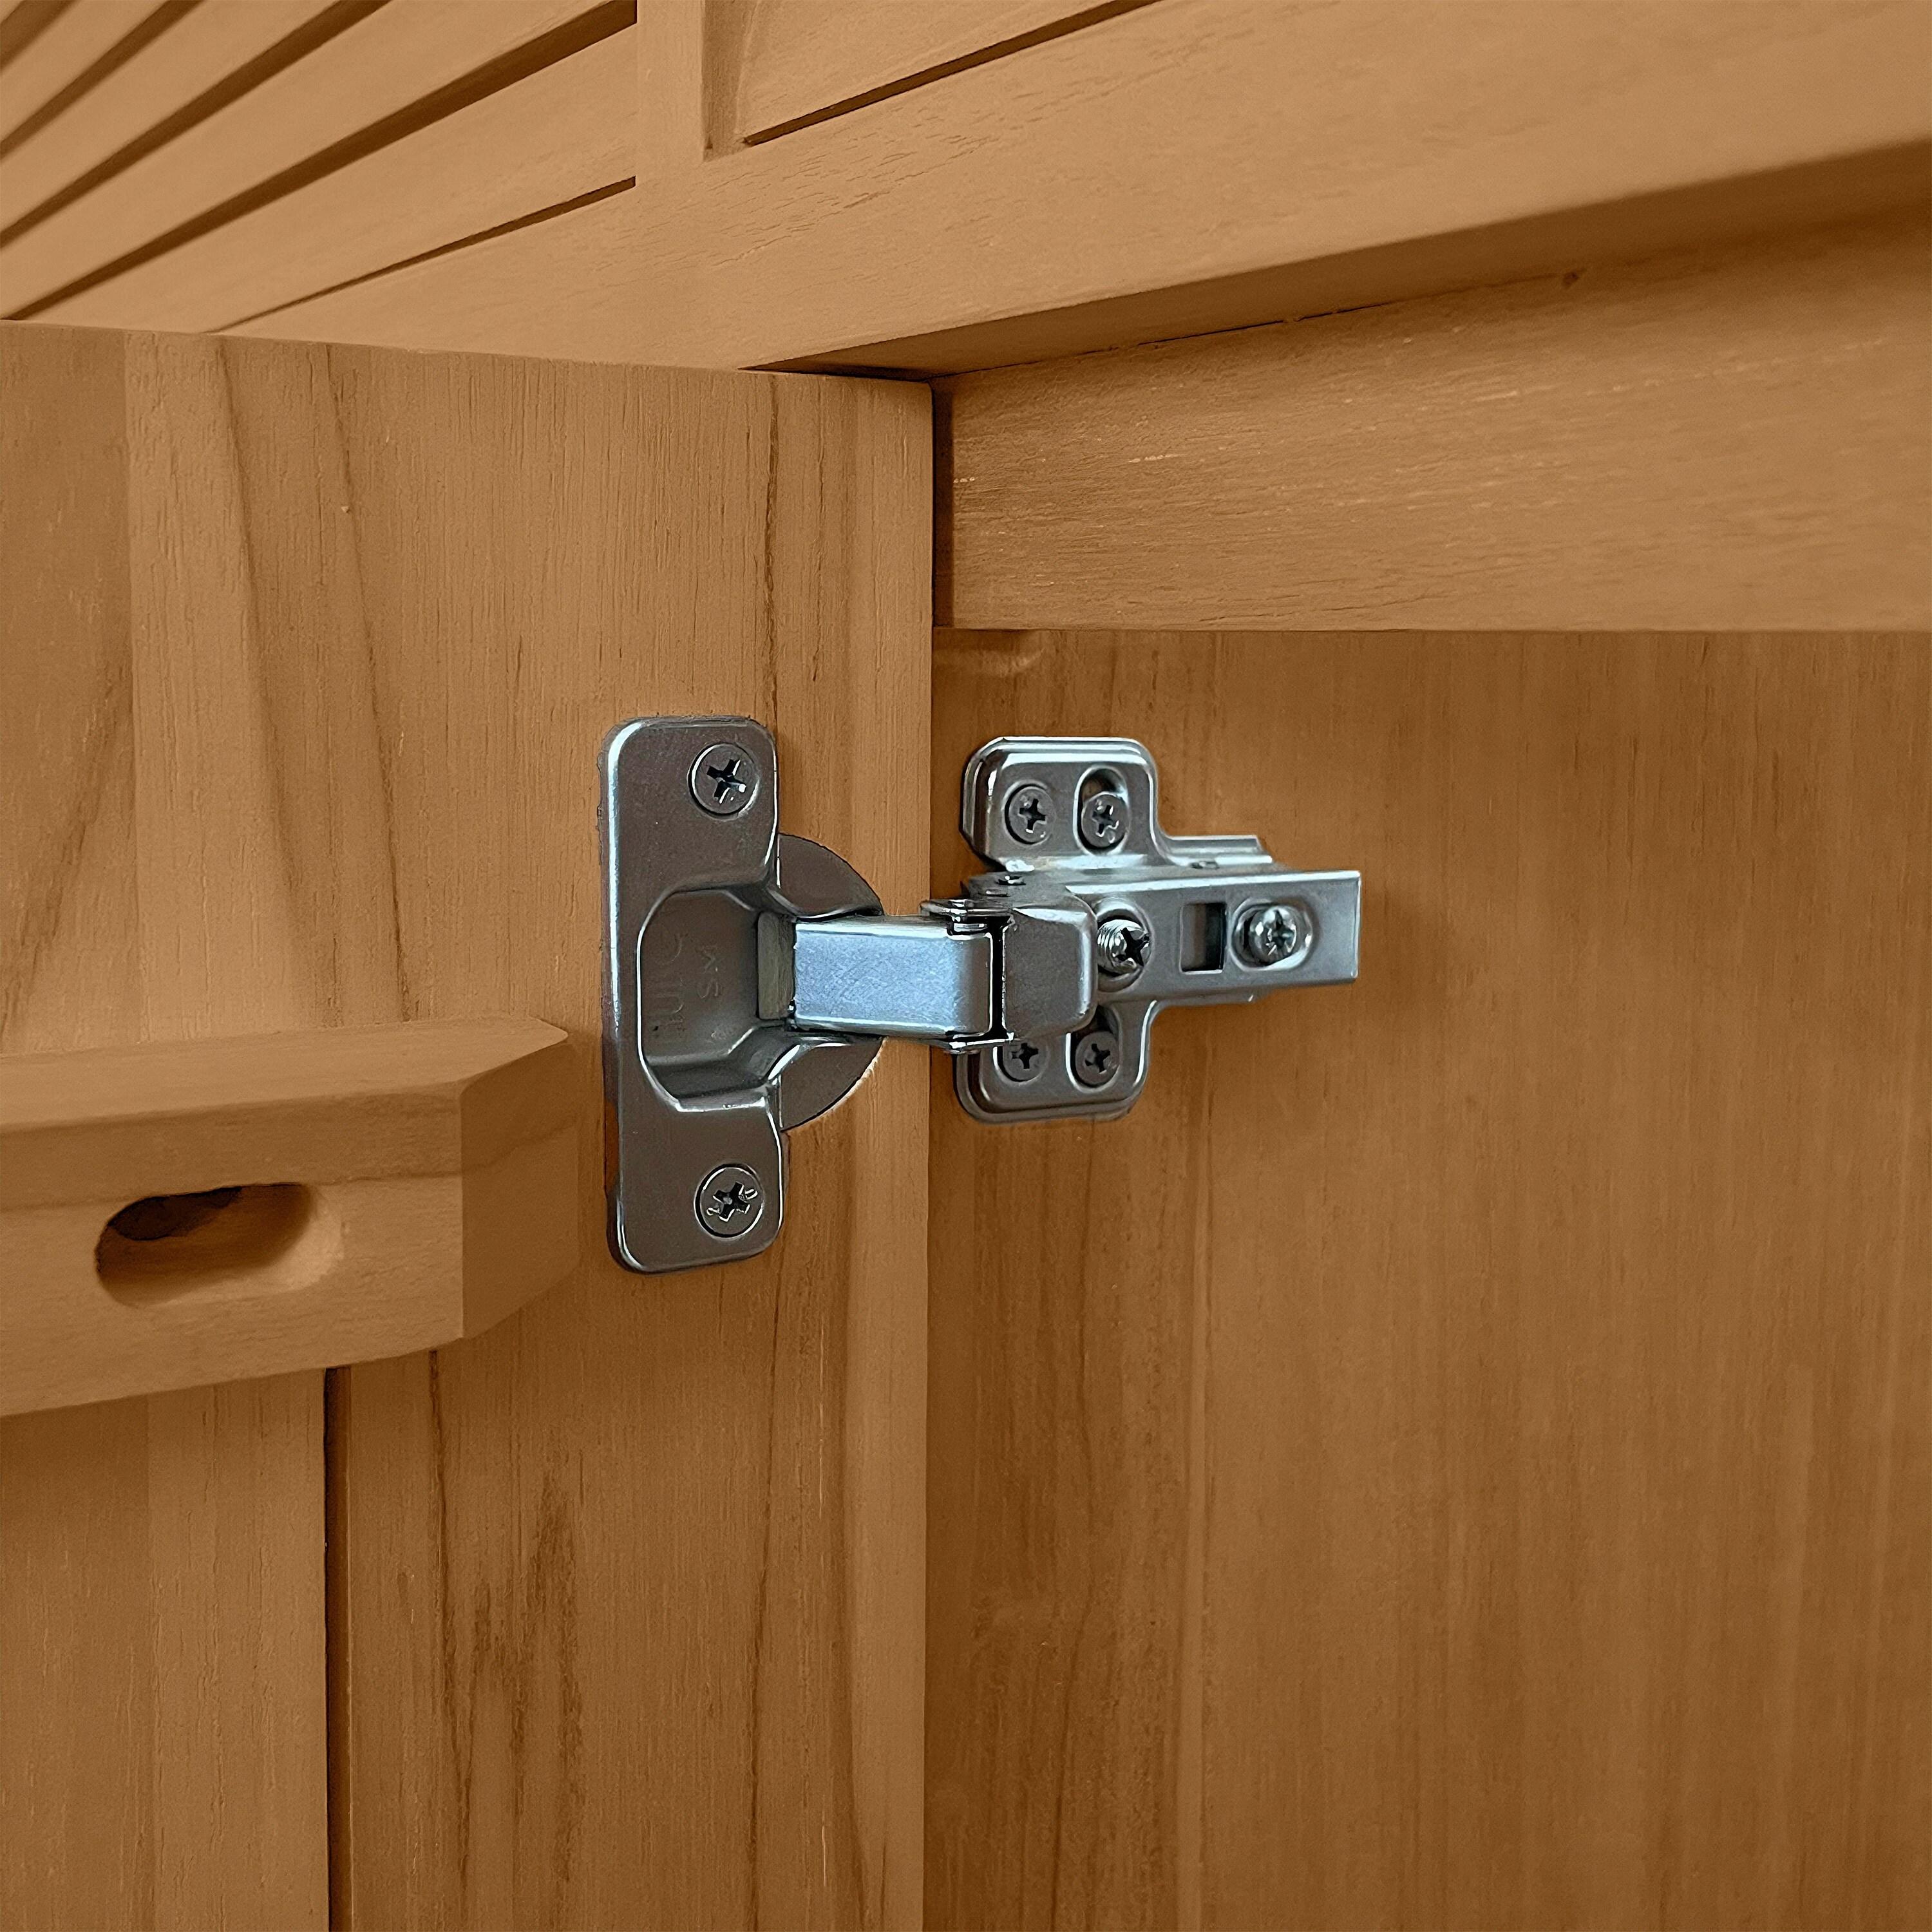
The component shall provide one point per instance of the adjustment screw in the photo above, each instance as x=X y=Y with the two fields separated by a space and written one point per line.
x=731 y=1201
x=1020 y=1060
x=724 y=779
x=1029 y=814
x=1103 y=820
x=1276 y=935
x=1096 y=1058
x=1122 y=943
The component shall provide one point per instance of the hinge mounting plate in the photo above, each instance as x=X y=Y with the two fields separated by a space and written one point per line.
x=1062 y=821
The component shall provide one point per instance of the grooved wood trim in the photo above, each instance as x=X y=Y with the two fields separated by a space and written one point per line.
x=382 y=66
x=214 y=39
x=337 y=1196
x=22 y=21
x=562 y=287
x=59 y=57
x=1547 y=141
x=795 y=61
x=1457 y=1453
x=1740 y=438
x=161 y=1587
x=1195 y=140
x=567 y=131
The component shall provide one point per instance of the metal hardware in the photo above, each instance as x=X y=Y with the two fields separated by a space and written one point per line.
x=730 y=1201
x=1097 y=1054
x=724 y=779
x=1027 y=813
x=699 y=1083
x=750 y=974
x=1104 y=820
x=1121 y=945
x=1212 y=909
x=1020 y=1060
x=1274 y=935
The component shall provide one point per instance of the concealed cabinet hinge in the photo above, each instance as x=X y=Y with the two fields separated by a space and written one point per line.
x=750 y=974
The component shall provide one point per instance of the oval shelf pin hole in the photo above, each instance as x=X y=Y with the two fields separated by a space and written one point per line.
x=232 y=1239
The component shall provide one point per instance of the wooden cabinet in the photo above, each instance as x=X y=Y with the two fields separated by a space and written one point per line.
x=615 y=1617
x=1457 y=1454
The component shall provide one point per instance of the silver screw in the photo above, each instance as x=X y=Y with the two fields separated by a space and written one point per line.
x=1020 y=1060
x=1123 y=943
x=1096 y=1058
x=731 y=1201
x=1103 y=820
x=1276 y=935
x=724 y=779
x=1029 y=814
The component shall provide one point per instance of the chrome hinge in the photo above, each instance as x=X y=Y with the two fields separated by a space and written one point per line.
x=750 y=974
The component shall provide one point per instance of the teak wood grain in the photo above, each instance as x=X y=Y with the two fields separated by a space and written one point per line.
x=352 y=1193
x=566 y=130
x=62 y=59
x=1123 y=183
x=1729 y=438
x=213 y=40
x=162 y=1747
x=1458 y=1453
x=1151 y=151
x=626 y=1597
x=401 y=54
x=630 y=1589
x=796 y=59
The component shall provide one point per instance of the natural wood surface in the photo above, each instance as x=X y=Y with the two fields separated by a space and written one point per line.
x=627 y=1600
x=1458 y=1453
x=212 y=41
x=566 y=130
x=400 y=55
x=296 y=1201
x=796 y=59
x=1196 y=140
x=22 y=22
x=162 y=1667
x=588 y=281
x=630 y=1603
x=1729 y=439
x=566 y=287
x=79 y=37
x=162 y=1708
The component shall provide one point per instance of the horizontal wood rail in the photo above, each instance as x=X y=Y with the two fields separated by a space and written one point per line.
x=1722 y=439
x=209 y=1210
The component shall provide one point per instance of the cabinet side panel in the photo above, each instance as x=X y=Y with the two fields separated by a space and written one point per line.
x=1457 y=1453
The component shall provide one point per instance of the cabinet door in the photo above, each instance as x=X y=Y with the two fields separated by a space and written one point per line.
x=613 y=1615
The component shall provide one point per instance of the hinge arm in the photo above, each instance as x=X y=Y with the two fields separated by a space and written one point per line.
x=961 y=976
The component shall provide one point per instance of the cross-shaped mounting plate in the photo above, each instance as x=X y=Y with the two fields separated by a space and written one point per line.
x=1179 y=921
